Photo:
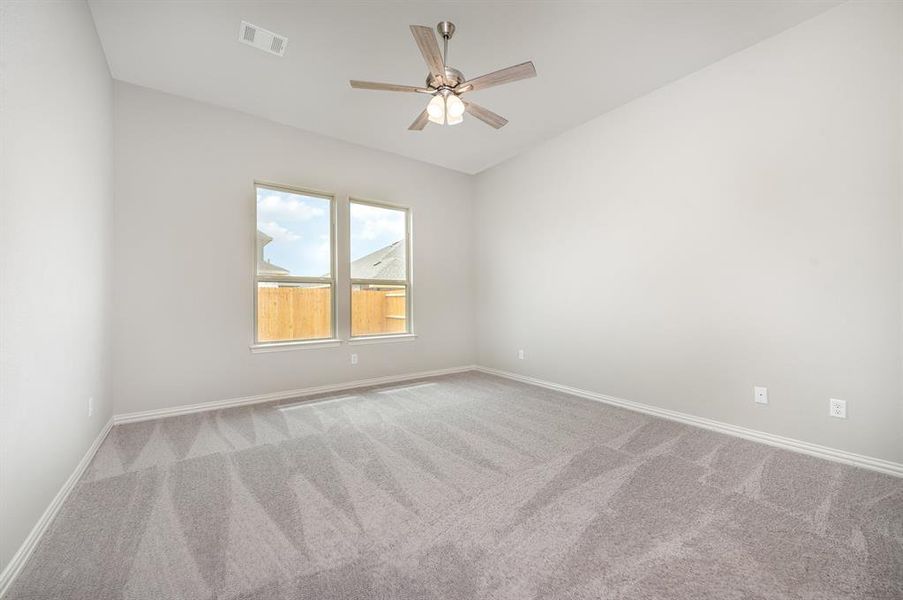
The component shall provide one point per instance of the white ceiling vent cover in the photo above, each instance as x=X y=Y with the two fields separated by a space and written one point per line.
x=262 y=39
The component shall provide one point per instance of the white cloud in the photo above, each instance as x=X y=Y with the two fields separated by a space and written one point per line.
x=376 y=228
x=321 y=253
x=372 y=222
x=278 y=232
x=285 y=208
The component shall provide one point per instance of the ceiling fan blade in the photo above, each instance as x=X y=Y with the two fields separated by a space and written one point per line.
x=429 y=47
x=387 y=87
x=420 y=122
x=485 y=115
x=515 y=73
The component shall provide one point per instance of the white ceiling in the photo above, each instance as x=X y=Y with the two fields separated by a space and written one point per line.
x=590 y=57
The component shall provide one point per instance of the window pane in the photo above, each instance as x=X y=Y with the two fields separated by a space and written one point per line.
x=293 y=311
x=378 y=309
x=378 y=242
x=293 y=234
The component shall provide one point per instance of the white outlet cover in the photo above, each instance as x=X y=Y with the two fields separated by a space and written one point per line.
x=520 y=354
x=837 y=408
x=354 y=359
x=760 y=395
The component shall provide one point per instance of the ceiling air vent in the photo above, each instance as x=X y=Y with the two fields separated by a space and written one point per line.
x=262 y=39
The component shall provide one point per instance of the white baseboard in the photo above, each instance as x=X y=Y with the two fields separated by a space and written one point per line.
x=18 y=560
x=859 y=460
x=850 y=458
x=299 y=393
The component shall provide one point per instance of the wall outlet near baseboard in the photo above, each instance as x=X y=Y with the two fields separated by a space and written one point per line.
x=520 y=354
x=837 y=408
x=760 y=395
x=91 y=406
x=354 y=359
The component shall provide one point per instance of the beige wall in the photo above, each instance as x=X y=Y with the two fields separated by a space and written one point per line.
x=55 y=233
x=184 y=240
x=739 y=227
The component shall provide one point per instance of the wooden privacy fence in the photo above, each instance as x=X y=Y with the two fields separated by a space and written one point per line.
x=296 y=313
x=293 y=313
x=377 y=311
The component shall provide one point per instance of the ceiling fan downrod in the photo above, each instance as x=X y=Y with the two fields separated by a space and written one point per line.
x=446 y=29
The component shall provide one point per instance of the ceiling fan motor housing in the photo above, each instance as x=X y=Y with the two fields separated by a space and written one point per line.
x=453 y=77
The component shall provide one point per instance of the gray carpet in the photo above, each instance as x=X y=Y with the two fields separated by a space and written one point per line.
x=466 y=486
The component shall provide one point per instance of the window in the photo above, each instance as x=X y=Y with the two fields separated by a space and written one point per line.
x=380 y=269
x=295 y=274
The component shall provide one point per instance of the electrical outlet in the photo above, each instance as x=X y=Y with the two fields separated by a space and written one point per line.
x=760 y=395
x=838 y=408
x=520 y=354
x=91 y=406
x=354 y=359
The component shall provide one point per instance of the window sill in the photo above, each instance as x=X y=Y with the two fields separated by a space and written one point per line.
x=378 y=339
x=301 y=345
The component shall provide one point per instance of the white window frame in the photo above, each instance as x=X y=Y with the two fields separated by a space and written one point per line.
x=408 y=281
x=332 y=340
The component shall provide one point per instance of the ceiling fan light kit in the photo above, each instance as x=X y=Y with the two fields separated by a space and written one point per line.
x=446 y=85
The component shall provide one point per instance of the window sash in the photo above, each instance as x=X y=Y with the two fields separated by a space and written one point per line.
x=331 y=281
x=379 y=282
x=293 y=279
x=407 y=282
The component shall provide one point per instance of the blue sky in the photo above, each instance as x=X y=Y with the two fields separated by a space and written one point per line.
x=299 y=226
x=373 y=227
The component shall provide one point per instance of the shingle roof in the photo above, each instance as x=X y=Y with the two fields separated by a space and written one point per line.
x=385 y=263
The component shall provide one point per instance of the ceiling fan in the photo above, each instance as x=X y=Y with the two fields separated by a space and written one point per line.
x=446 y=84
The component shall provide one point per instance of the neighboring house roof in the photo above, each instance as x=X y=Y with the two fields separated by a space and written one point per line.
x=385 y=263
x=265 y=267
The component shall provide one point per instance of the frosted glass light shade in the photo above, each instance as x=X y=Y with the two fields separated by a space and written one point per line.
x=436 y=109
x=454 y=107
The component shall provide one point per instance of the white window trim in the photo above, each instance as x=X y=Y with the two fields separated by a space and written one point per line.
x=257 y=346
x=383 y=338
x=409 y=334
x=298 y=345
